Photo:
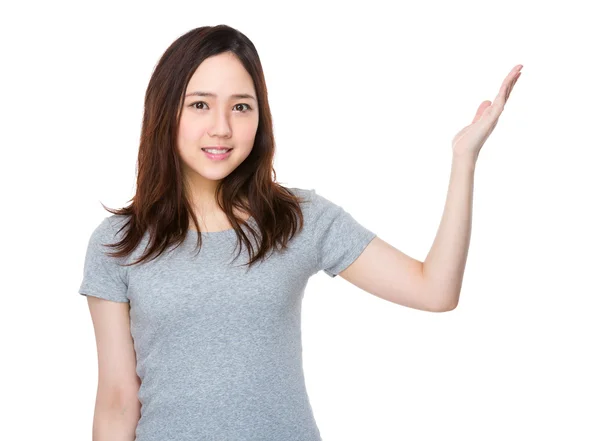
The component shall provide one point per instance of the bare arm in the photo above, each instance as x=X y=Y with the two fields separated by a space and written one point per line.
x=433 y=285
x=115 y=422
x=117 y=409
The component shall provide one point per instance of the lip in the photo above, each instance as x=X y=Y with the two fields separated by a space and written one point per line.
x=216 y=147
x=217 y=157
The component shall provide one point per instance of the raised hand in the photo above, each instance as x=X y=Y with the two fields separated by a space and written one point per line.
x=468 y=142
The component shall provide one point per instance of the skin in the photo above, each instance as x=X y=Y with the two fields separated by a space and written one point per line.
x=469 y=141
x=435 y=284
x=216 y=121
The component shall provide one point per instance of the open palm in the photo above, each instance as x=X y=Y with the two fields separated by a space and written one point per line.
x=469 y=140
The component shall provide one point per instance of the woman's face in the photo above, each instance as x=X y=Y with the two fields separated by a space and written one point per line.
x=217 y=120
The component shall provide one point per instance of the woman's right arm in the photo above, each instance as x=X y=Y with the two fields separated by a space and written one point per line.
x=117 y=409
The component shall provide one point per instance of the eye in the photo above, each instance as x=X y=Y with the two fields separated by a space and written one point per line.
x=244 y=104
x=194 y=105
x=197 y=102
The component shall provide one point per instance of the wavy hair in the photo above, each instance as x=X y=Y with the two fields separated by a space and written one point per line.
x=161 y=204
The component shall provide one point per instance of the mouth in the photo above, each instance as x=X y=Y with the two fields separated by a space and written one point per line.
x=217 y=154
x=216 y=151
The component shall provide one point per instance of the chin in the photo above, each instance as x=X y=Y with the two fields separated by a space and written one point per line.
x=214 y=176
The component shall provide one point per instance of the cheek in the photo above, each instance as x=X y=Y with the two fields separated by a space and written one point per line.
x=248 y=132
x=191 y=132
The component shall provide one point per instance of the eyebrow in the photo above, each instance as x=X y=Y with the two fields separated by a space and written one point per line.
x=235 y=95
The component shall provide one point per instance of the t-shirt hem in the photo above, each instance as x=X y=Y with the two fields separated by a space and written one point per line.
x=352 y=256
x=103 y=295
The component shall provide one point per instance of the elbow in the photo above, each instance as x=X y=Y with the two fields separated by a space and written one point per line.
x=115 y=423
x=445 y=304
x=126 y=405
x=450 y=307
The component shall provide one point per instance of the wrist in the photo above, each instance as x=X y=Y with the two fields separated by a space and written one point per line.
x=464 y=160
x=465 y=156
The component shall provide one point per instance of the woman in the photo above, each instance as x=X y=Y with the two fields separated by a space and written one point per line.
x=193 y=345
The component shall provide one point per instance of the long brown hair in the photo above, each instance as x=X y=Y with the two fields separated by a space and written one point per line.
x=161 y=203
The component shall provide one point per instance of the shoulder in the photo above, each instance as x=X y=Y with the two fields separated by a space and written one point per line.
x=301 y=192
x=307 y=198
x=109 y=228
x=117 y=222
x=314 y=205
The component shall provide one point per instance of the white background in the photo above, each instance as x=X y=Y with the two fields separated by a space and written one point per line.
x=365 y=100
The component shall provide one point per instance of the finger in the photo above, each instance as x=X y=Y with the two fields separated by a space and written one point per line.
x=515 y=73
x=506 y=87
x=510 y=77
x=513 y=84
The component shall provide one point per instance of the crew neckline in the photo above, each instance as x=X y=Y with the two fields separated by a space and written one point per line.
x=222 y=232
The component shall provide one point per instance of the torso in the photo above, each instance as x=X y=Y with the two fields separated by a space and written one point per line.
x=215 y=223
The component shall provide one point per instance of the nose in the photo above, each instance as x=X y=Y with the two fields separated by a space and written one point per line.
x=220 y=125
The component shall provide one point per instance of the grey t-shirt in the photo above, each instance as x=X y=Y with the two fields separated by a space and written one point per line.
x=218 y=346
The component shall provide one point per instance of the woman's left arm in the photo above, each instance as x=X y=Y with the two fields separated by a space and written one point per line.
x=445 y=264
x=435 y=284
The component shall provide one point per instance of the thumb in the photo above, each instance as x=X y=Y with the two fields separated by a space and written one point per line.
x=484 y=105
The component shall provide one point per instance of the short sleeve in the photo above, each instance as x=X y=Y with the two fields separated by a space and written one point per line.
x=102 y=275
x=337 y=237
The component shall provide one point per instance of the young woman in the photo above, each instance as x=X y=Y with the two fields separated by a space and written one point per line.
x=193 y=342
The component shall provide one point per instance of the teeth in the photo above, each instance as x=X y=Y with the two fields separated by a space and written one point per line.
x=216 y=151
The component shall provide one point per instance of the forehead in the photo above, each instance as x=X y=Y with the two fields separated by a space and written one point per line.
x=221 y=74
